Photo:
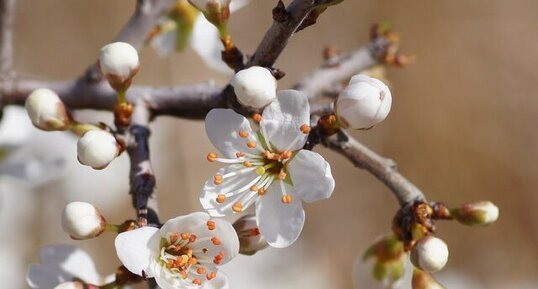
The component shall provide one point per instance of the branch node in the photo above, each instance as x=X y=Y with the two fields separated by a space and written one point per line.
x=280 y=14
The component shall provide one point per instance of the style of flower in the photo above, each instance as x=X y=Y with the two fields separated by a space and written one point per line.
x=184 y=253
x=186 y=25
x=62 y=263
x=266 y=167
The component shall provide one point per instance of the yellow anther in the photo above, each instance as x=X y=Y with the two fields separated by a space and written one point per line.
x=211 y=225
x=183 y=259
x=221 y=198
x=247 y=164
x=257 y=117
x=282 y=175
x=251 y=144
x=287 y=199
x=211 y=157
x=253 y=189
x=237 y=207
x=260 y=171
x=243 y=133
x=305 y=128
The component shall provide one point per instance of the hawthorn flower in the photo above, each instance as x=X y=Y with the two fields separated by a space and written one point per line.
x=82 y=221
x=266 y=167
x=430 y=254
x=61 y=264
x=97 y=148
x=364 y=103
x=186 y=25
x=47 y=111
x=183 y=253
x=254 y=86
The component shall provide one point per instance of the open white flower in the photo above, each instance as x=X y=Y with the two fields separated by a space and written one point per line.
x=185 y=24
x=267 y=167
x=184 y=253
x=59 y=264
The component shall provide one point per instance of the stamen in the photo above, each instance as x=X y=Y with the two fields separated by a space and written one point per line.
x=262 y=191
x=286 y=155
x=247 y=164
x=239 y=154
x=174 y=237
x=253 y=189
x=243 y=133
x=217 y=180
x=287 y=199
x=216 y=241
x=251 y=144
x=237 y=207
x=260 y=171
x=282 y=175
x=221 y=198
x=211 y=157
x=211 y=275
x=197 y=282
x=211 y=225
x=184 y=236
x=193 y=261
x=201 y=270
x=254 y=232
x=269 y=155
x=257 y=117
x=192 y=238
x=305 y=128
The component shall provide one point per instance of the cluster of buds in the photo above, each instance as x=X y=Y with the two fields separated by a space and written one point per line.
x=254 y=87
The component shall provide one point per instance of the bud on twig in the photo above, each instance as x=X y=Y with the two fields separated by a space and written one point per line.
x=429 y=254
x=254 y=86
x=216 y=11
x=119 y=64
x=250 y=239
x=82 y=221
x=478 y=213
x=364 y=103
x=97 y=148
x=47 y=111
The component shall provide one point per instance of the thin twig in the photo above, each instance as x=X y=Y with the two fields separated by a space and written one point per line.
x=382 y=168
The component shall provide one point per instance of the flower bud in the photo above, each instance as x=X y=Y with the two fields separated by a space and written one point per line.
x=424 y=280
x=82 y=221
x=47 y=111
x=477 y=213
x=119 y=63
x=97 y=148
x=250 y=239
x=70 y=285
x=254 y=86
x=364 y=103
x=429 y=254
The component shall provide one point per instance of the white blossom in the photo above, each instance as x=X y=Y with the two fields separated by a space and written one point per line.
x=97 y=148
x=173 y=33
x=119 y=62
x=59 y=264
x=183 y=253
x=430 y=254
x=47 y=111
x=82 y=220
x=364 y=103
x=254 y=86
x=267 y=167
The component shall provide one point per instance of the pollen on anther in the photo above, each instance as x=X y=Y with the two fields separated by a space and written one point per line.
x=197 y=282
x=287 y=199
x=257 y=117
x=243 y=133
x=221 y=198
x=201 y=270
x=216 y=241
x=254 y=189
x=251 y=144
x=192 y=238
x=262 y=191
x=184 y=236
x=217 y=180
x=247 y=164
x=211 y=275
x=211 y=225
x=237 y=207
x=282 y=175
x=211 y=157
x=254 y=232
x=269 y=155
x=286 y=155
x=305 y=128
x=239 y=154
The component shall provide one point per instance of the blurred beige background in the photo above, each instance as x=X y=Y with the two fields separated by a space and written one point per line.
x=462 y=128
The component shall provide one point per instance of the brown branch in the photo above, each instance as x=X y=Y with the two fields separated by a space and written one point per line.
x=189 y=101
x=382 y=168
x=7 y=20
x=137 y=28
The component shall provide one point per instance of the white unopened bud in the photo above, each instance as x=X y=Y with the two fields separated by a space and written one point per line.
x=430 y=254
x=477 y=213
x=47 y=111
x=210 y=5
x=82 y=221
x=250 y=239
x=119 y=63
x=97 y=148
x=254 y=86
x=70 y=285
x=364 y=103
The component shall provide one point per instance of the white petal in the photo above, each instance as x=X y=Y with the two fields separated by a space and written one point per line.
x=134 y=251
x=219 y=282
x=222 y=127
x=311 y=176
x=283 y=118
x=15 y=127
x=185 y=224
x=279 y=223
x=238 y=4
x=205 y=41
x=44 y=277
x=227 y=235
x=210 y=191
x=70 y=260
